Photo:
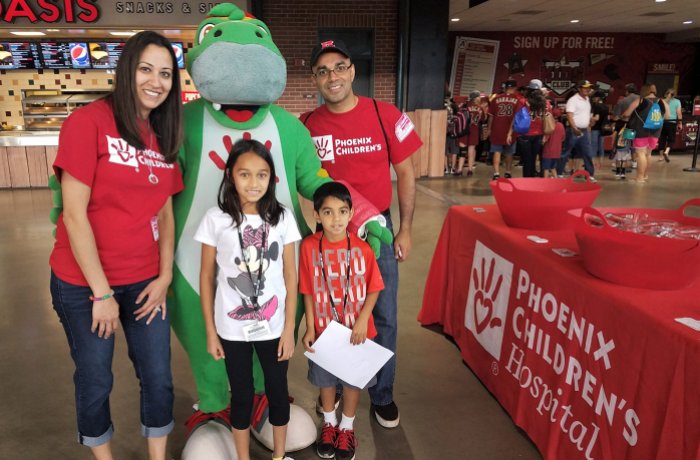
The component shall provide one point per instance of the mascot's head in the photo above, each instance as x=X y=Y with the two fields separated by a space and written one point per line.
x=235 y=60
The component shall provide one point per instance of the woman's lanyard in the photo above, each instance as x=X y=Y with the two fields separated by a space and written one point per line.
x=328 y=286
x=263 y=250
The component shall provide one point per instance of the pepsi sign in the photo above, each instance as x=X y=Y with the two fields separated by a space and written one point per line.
x=179 y=54
x=79 y=55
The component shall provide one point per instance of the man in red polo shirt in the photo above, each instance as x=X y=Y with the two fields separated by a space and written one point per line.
x=357 y=138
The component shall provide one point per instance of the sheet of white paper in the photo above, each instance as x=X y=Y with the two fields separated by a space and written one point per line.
x=354 y=364
x=690 y=322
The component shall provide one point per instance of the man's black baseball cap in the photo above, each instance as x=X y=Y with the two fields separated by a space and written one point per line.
x=510 y=84
x=329 y=45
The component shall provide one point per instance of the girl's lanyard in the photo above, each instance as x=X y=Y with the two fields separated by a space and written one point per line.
x=256 y=282
x=328 y=286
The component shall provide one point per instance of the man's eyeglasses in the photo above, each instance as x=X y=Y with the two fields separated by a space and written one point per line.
x=339 y=70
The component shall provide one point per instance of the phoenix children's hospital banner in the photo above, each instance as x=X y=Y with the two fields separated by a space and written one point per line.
x=589 y=369
x=560 y=60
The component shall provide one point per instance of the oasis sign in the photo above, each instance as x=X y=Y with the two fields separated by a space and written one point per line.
x=49 y=11
x=107 y=13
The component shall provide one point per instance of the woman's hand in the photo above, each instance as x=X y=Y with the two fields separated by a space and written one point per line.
x=309 y=339
x=285 y=349
x=154 y=294
x=105 y=317
x=214 y=347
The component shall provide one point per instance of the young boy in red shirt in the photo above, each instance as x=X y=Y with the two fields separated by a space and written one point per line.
x=340 y=280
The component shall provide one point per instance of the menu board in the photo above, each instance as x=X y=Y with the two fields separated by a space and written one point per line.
x=65 y=55
x=19 y=55
x=473 y=65
x=179 y=54
x=104 y=55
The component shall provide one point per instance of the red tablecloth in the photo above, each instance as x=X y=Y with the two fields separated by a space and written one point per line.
x=587 y=368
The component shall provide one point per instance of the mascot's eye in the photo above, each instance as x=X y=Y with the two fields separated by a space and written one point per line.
x=261 y=33
x=205 y=30
x=217 y=33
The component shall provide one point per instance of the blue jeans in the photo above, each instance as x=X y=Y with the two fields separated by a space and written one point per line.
x=597 y=143
x=582 y=144
x=149 y=350
x=385 y=320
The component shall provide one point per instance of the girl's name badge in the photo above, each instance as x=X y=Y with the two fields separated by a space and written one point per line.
x=256 y=330
x=154 y=228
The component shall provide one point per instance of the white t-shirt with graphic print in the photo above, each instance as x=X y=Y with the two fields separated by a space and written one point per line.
x=233 y=307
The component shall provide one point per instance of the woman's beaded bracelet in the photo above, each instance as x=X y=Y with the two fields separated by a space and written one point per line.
x=104 y=297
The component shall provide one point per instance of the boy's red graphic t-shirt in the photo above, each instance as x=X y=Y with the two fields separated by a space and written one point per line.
x=354 y=272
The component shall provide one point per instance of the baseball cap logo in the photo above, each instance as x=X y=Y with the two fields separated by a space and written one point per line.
x=487 y=303
x=328 y=43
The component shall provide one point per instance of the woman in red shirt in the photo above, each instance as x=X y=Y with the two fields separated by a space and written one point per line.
x=112 y=259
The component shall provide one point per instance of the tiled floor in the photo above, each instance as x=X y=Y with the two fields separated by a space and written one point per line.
x=445 y=411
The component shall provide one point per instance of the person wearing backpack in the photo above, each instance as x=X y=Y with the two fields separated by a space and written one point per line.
x=458 y=131
x=451 y=141
x=469 y=137
x=529 y=143
x=646 y=118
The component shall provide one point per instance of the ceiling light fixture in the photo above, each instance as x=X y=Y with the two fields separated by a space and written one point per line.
x=53 y=30
x=687 y=22
x=660 y=1
x=575 y=21
x=122 y=34
x=24 y=33
x=454 y=19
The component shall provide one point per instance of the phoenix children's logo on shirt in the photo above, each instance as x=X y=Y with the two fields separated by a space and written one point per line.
x=328 y=148
x=487 y=303
x=120 y=152
x=324 y=147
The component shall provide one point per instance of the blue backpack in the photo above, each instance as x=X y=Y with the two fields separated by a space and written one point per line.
x=655 y=119
x=521 y=123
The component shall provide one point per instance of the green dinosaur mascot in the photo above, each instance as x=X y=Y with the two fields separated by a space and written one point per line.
x=239 y=73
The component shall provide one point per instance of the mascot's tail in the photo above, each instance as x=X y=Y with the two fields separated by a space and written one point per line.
x=55 y=186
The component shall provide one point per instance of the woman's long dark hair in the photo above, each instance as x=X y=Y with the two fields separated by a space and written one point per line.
x=166 y=119
x=536 y=101
x=229 y=201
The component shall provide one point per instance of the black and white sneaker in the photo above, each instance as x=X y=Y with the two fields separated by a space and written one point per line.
x=387 y=416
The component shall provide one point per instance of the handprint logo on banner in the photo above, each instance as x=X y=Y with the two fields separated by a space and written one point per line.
x=490 y=279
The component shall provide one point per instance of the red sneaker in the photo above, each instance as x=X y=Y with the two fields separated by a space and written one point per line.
x=325 y=447
x=345 y=445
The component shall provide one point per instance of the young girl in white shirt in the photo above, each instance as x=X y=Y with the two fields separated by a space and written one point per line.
x=248 y=287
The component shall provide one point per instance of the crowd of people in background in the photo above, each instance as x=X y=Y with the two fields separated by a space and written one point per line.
x=524 y=122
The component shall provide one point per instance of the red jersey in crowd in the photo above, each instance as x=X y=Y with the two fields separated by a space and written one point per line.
x=502 y=109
